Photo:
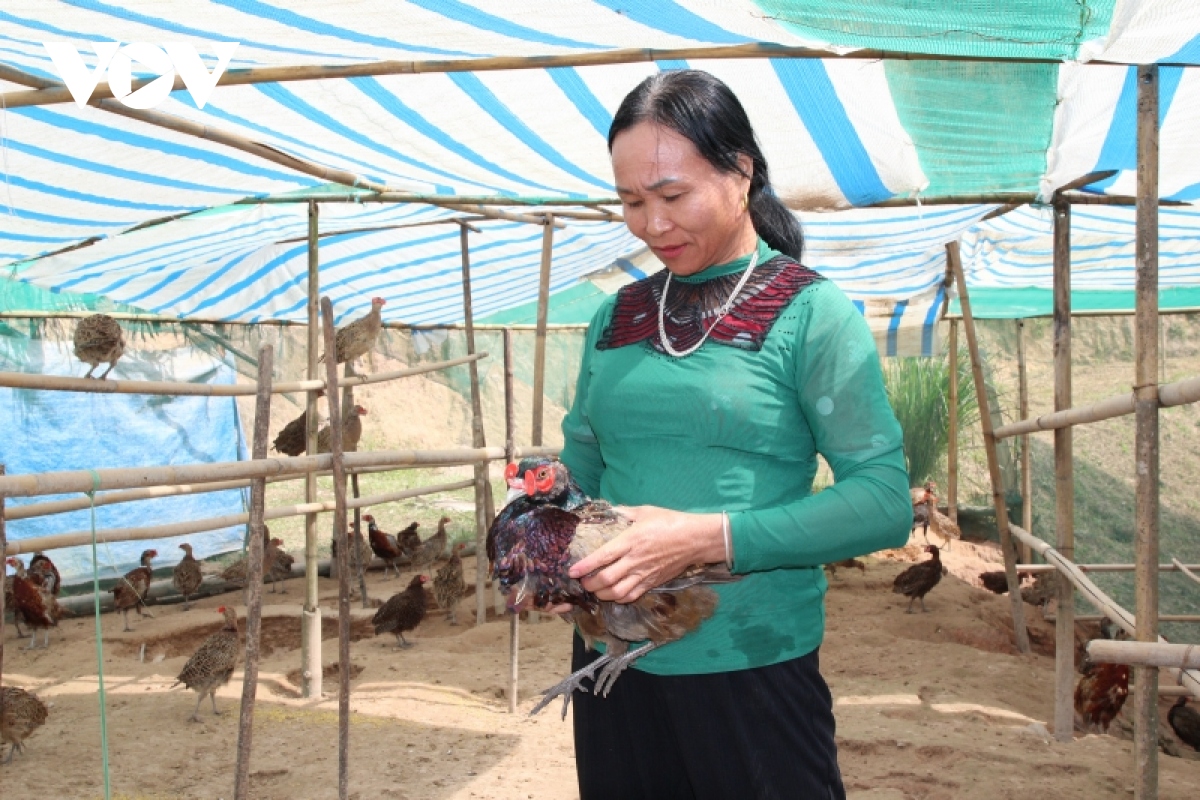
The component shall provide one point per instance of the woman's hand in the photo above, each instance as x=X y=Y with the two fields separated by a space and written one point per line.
x=658 y=546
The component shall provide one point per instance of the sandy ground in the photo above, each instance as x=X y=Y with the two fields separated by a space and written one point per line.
x=934 y=705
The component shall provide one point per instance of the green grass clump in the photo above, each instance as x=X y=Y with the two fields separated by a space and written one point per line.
x=919 y=391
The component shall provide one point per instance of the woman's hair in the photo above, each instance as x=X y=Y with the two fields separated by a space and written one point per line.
x=701 y=108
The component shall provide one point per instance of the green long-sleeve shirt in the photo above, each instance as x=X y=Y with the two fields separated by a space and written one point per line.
x=730 y=429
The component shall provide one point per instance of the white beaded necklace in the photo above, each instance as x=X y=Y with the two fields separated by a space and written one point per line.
x=662 y=303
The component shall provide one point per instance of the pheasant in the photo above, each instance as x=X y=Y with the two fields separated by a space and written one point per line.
x=21 y=713
x=98 y=338
x=386 y=546
x=41 y=565
x=362 y=549
x=358 y=338
x=131 y=591
x=448 y=584
x=277 y=564
x=292 y=440
x=211 y=666
x=32 y=603
x=402 y=612
x=351 y=431
x=10 y=602
x=1185 y=721
x=187 y=576
x=848 y=563
x=919 y=579
x=1103 y=688
x=432 y=548
x=550 y=526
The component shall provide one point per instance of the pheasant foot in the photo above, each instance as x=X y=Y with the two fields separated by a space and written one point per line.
x=612 y=671
x=569 y=684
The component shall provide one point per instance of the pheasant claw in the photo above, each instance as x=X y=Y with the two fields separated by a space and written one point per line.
x=569 y=684
x=613 y=670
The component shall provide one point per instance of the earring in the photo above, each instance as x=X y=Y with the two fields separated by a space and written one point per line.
x=745 y=201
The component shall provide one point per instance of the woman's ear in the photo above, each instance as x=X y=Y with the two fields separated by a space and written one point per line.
x=746 y=166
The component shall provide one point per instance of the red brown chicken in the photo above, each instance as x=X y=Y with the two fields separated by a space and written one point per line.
x=131 y=591
x=41 y=564
x=919 y=579
x=402 y=612
x=551 y=525
x=385 y=546
x=1102 y=690
x=32 y=603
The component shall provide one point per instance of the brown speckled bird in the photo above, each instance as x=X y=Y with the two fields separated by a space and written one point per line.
x=277 y=564
x=351 y=431
x=211 y=666
x=358 y=338
x=187 y=576
x=402 y=612
x=98 y=338
x=847 y=563
x=432 y=548
x=448 y=584
x=21 y=713
x=919 y=579
x=292 y=440
x=131 y=591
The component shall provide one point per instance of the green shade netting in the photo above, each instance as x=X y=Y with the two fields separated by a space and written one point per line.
x=1030 y=302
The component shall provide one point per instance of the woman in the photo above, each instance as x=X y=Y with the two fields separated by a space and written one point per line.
x=706 y=392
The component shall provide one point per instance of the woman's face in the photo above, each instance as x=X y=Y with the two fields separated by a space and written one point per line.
x=689 y=212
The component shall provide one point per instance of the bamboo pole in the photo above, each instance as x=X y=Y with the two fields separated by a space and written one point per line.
x=1096 y=596
x=1145 y=654
x=1186 y=570
x=312 y=675
x=28 y=380
x=1064 y=479
x=339 y=533
x=359 y=566
x=1145 y=695
x=510 y=425
x=539 y=352
x=1161 y=617
x=1026 y=458
x=1175 y=567
x=285 y=323
x=3 y=572
x=254 y=578
x=952 y=447
x=1169 y=395
x=989 y=442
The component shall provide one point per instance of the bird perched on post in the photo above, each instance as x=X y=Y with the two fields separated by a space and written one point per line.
x=21 y=713
x=31 y=603
x=919 y=579
x=131 y=591
x=1185 y=721
x=358 y=338
x=292 y=440
x=386 y=546
x=187 y=576
x=98 y=338
x=402 y=612
x=449 y=586
x=432 y=548
x=211 y=666
x=351 y=431
x=551 y=525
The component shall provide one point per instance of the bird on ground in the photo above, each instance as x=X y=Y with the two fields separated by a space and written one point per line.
x=351 y=431
x=360 y=552
x=41 y=564
x=848 y=563
x=10 y=601
x=919 y=579
x=1185 y=721
x=358 y=338
x=996 y=581
x=98 y=339
x=433 y=548
x=32 y=603
x=21 y=713
x=408 y=539
x=402 y=612
x=927 y=515
x=1043 y=590
x=187 y=576
x=917 y=493
x=211 y=666
x=1102 y=689
x=132 y=589
x=551 y=525
x=384 y=545
x=277 y=564
x=448 y=584
x=292 y=440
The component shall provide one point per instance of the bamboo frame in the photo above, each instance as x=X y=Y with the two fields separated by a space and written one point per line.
x=1026 y=458
x=1174 y=567
x=1161 y=618
x=284 y=323
x=254 y=578
x=1186 y=570
x=28 y=380
x=510 y=426
x=3 y=571
x=1169 y=395
x=1145 y=654
x=539 y=352
x=1096 y=596
x=478 y=438
x=1064 y=479
x=985 y=420
x=952 y=445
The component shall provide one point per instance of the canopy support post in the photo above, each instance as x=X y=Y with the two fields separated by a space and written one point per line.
x=477 y=434
x=510 y=427
x=989 y=443
x=1064 y=479
x=310 y=618
x=1026 y=456
x=543 y=311
x=952 y=445
x=1145 y=697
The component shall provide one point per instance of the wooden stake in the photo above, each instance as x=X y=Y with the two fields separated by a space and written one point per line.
x=254 y=577
x=360 y=567
x=477 y=434
x=510 y=425
x=1145 y=697
x=539 y=353
x=1064 y=479
x=1026 y=456
x=989 y=443
x=339 y=532
x=311 y=671
x=952 y=447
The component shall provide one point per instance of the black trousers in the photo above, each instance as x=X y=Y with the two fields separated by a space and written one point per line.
x=757 y=733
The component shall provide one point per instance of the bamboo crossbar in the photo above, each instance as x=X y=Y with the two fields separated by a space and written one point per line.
x=76 y=538
x=1098 y=617
x=1034 y=568
x=1095 y=595
x=284 y=323
x=1145 y=654
x=1169 y=395
x=58 y=383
